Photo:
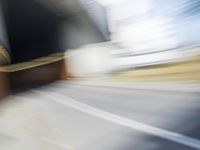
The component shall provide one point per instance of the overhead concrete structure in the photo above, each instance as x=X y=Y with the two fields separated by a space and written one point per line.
x=41 y=27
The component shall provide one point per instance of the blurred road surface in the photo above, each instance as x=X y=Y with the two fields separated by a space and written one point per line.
x=68 y=116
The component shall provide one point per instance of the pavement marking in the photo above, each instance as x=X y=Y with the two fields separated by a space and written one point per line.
x=162 y=133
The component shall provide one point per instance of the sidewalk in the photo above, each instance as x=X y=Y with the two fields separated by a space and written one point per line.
x=185 y=71
x=152 y=86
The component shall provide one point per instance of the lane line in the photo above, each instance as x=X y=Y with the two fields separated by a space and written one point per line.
x=162 y=133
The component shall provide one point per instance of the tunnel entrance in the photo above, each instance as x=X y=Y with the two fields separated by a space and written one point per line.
x=32 y=30
x=37 y=28
x=36 y=33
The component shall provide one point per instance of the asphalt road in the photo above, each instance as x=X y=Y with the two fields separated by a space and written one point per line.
x=67 y=116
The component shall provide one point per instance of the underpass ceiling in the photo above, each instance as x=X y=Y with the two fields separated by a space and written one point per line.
x=62 y=7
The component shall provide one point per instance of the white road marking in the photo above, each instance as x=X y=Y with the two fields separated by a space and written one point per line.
x=162 y=133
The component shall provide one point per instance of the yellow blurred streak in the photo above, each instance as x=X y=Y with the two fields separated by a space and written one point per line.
x=33 y=63
x=187 y=70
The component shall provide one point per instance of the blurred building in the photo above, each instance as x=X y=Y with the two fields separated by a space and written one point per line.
x=154 y=31
x=143 y=33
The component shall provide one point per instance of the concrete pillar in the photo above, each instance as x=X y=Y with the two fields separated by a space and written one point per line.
x=4 y=46
x=4 y=55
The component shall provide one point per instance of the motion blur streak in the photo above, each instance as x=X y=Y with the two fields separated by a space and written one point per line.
x=99 y=74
